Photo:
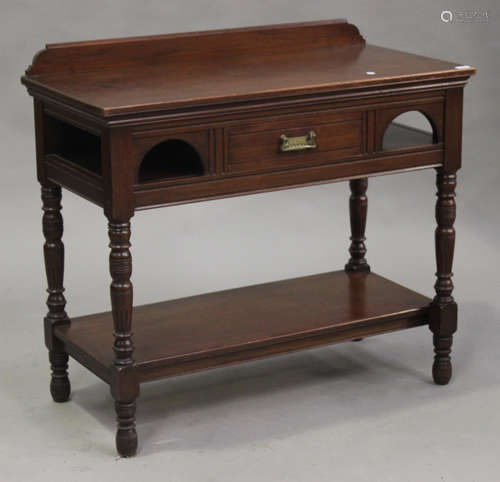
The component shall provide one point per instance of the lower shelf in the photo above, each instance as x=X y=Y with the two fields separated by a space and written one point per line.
x=205 y=331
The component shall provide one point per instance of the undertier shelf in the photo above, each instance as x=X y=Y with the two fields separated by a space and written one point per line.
x=208 y=330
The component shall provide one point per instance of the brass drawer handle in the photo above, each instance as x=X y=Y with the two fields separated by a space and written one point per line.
x=298 y=143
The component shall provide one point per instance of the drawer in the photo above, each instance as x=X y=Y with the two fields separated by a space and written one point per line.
x=299 y=141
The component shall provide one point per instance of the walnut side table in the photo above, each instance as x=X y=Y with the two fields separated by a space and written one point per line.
x=137 y=123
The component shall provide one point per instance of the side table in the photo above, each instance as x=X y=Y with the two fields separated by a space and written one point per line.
x=137 y=123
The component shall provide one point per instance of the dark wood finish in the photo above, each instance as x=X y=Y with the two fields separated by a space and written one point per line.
x=137 y=123
x=288 y=170
x=53 y=250
x=254 y=146
x=358 y=206
x=158 y=194
x=273 y=316
x=443 y=313
x=124 y=384
x=124 y=76
x=453 y=128
x=74 y=178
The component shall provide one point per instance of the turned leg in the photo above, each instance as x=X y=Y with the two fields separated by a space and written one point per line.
x=53 y=250
x=124 y=383
x=443 y=310
x=358 y=205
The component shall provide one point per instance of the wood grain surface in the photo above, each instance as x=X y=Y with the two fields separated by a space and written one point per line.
x=163 y=72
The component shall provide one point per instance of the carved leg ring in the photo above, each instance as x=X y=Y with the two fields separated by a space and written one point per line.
x=53 y=250
x=358 y=206
x=443 y=310
x=441 y=368
x=124 y=383
x=60 y=387
x=126 y=434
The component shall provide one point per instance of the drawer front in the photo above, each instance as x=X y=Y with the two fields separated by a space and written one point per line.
x=310 y=140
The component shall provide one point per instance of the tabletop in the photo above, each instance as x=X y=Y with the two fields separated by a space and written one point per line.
x=113 y=77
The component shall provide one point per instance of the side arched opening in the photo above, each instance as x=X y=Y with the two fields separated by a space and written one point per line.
x=170 y=159
x=409 y=129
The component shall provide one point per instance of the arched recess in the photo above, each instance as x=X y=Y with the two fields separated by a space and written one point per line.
x=410 y=129
x=170 y=159
x=400 y=128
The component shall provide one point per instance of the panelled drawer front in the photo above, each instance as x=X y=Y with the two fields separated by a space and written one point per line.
x=255 y=146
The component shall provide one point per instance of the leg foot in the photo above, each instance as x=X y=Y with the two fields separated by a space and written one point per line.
x=441 y=369
x=60 y=387
x=126 y=435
